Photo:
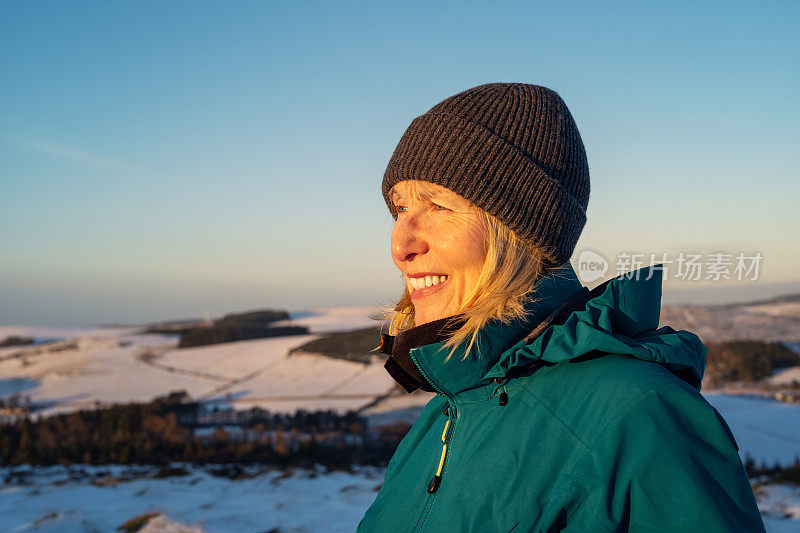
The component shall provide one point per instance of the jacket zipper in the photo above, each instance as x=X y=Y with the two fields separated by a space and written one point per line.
x=450 y=411
x=433 y=486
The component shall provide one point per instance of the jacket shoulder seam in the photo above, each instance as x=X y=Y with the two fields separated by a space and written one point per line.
x=623 y=411
x=586 y=501
x=564 y=427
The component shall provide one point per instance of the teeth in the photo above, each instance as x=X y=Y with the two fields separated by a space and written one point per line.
x=426 y=281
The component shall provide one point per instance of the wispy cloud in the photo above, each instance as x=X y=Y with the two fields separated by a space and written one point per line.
x=66 y=152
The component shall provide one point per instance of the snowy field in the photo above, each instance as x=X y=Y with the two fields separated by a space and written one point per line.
x=767 y=430
x=52 y=501
x=111 y=365
x=118 y=365
x=303 y=500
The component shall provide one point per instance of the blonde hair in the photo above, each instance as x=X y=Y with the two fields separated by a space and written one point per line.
x=503 y=289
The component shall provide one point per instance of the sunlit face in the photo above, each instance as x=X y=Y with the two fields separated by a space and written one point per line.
x=439 y=244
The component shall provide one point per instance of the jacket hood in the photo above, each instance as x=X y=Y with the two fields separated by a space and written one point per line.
x=622 y=319
x=620 y=316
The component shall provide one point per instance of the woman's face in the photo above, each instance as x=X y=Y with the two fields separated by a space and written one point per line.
x=439 y=244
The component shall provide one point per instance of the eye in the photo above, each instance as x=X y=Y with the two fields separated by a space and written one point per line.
x=438 y=207
x=400 y=208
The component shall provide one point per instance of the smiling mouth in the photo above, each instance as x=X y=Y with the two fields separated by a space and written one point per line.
x=421 y=285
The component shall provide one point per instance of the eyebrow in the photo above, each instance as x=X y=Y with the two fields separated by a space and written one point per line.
x=424 y=196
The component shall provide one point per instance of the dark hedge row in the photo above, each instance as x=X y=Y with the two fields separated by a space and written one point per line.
x=775 y=473
x=218 y=334
x=240 y=327
x=14 y=340
x=359 y=346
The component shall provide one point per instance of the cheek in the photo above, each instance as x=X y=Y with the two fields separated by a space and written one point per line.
x=466 y=250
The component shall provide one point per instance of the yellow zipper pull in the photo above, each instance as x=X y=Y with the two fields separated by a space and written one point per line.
x=433 y=486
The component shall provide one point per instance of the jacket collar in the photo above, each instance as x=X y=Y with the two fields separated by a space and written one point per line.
x=400 y=365
x=454 y=374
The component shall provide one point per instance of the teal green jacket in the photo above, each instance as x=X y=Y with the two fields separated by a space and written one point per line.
x=608 y=433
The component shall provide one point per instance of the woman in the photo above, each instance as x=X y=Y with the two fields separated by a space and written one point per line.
x=557 y=408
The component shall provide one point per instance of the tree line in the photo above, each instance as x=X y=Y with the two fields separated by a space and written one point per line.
x=165 y=430
x=746 y=360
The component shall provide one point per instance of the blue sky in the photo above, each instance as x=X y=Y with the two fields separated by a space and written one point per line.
x=161 y=160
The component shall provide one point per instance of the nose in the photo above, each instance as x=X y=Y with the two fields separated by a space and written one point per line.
x=408 y=239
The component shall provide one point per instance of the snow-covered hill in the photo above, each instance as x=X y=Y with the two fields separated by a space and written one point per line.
x=120 y=365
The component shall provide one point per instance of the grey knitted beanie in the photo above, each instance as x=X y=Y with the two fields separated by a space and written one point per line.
x=512 y=149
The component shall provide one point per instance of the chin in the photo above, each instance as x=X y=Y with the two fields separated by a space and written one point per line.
x=425 y=317
x=430 y=312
